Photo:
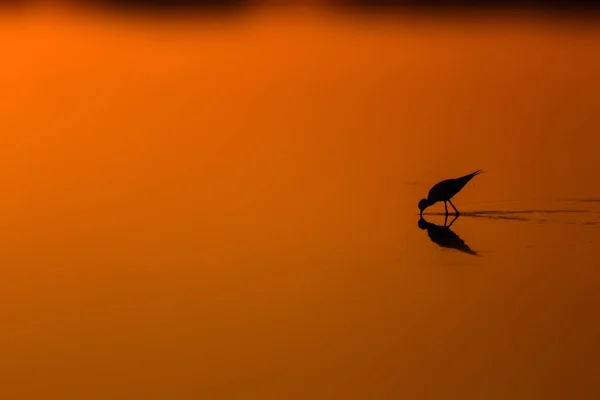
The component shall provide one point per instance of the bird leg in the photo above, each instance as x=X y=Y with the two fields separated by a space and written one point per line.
x=446 y=220
x=457 y=213
x=446 y=207
x=451 y=222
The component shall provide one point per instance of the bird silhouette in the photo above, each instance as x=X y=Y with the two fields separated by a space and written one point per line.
x=446 y=190
x=443 y=236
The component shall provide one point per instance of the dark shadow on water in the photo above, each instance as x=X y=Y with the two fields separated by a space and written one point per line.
x=443 y=236
x=514 y=215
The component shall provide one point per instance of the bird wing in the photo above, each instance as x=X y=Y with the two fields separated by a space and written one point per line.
x=459 y=183
x=446 y=189
x=464 y=179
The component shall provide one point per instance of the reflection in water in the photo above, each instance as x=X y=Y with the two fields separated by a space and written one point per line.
x=444 y=236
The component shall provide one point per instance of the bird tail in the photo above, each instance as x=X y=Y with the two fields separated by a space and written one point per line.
x=464 y=179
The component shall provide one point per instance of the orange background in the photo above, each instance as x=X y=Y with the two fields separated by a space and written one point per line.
x=226 y=208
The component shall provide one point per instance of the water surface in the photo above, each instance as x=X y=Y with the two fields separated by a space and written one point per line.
x=231 y=211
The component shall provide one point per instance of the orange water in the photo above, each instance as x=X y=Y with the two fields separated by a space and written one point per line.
x=229 y=211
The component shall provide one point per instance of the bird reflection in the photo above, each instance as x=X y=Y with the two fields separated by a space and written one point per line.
x=443 y=236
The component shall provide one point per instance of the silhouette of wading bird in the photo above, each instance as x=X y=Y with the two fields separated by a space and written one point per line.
x=444 y=191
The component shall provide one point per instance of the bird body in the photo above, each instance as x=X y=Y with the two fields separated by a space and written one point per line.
x=445 y=191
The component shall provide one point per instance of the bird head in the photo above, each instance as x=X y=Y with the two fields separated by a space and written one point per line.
x=423 y=204
x=422 y=224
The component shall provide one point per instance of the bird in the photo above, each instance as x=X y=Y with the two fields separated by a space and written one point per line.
x=443 y=236
x=446 y=190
